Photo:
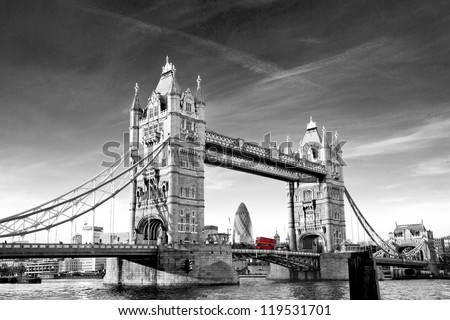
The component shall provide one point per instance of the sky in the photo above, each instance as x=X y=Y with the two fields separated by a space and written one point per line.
x=375 y=71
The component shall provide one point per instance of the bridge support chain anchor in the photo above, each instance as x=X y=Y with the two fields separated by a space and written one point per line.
x=363 y=277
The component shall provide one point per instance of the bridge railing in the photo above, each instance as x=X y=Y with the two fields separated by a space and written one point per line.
x=74 y=246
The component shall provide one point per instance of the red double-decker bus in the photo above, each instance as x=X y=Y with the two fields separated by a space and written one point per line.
x=265 y=243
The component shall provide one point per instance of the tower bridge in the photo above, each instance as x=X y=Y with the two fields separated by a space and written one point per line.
x=169 y=146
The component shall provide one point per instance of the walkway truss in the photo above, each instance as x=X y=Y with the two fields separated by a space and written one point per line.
x=79 y=201
x=388 y=249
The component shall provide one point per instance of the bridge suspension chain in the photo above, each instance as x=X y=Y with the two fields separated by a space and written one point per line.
x=373 y=235
x=79 y=201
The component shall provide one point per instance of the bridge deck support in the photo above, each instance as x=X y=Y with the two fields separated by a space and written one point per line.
x=182 y=265
x=333 y=266
x=278 y=272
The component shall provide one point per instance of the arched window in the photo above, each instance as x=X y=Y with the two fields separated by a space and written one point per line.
x=315 y=153
x=307 y=195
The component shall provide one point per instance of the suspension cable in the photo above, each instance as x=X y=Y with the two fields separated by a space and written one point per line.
x=26 y=215
x=368 y=228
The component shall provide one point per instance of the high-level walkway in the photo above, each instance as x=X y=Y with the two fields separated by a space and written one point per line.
x=247 y=157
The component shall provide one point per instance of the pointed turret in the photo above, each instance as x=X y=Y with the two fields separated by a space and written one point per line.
x=325 y=142
x=287 y=148
x=199 y=94
x=311 y=125
x=277 y=237
x=325 y=150
x=312 y=136
x=136 y=105
x=135 y=113
x=168 y=83
x=199 y=101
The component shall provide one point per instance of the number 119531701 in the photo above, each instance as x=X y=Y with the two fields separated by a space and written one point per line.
x=295 y=310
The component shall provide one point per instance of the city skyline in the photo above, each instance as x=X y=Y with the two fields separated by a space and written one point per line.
x=375 y=72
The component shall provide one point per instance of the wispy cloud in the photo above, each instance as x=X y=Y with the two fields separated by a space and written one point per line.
x=432 y=131
x=348 y=54
x=438 y=166
x=393 y=200
x=391 y=186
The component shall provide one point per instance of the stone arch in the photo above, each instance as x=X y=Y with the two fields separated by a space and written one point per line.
x=151 y=228
x=312 y=241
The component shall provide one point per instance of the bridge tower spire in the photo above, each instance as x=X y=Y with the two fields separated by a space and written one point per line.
x=170 y=196
x=135 y=114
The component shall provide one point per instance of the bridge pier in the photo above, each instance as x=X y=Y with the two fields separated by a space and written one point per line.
x=181 y=265
x=333 y=266
x=291 y=217
x=278 y=272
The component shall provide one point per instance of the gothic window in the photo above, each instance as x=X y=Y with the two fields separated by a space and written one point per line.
x=163 y=106
x=188 y=107
x=307 y=195
x=181 y=191
x=313 y=154
x=187 y=221
x=181 y=223
x=188 y=125
x=150 y=112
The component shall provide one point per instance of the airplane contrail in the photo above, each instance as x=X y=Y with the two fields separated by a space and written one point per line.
x=248 y=61
x=328 y=61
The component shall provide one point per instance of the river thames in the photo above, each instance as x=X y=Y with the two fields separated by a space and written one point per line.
x=249 y=289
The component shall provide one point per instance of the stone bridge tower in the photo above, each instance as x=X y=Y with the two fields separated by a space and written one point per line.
x=167 y=201
x=319 y=219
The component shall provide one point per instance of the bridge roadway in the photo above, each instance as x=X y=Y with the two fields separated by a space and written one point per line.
x=401 y=263
x=289 y=259
x=66 y=250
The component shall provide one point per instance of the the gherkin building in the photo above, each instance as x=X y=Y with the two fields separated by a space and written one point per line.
x=242 y=227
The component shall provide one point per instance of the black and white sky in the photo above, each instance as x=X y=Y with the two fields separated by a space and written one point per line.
x=375 y=71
